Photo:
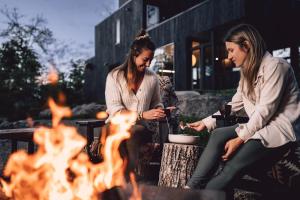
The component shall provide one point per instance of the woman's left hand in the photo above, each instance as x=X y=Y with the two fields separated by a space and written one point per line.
x=231 y=146
x=152 y=114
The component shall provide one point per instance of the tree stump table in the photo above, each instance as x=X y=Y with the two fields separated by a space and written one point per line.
x=178 y=162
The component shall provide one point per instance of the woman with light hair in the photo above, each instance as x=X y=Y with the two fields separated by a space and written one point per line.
x=269 y=93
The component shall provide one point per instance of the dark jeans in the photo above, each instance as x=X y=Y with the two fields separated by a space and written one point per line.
x=129 y=149
x=251 y=155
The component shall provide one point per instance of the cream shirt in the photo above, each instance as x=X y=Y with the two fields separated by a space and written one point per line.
x=274 y=114
x=118 y=96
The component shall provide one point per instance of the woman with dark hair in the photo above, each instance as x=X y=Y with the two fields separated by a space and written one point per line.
x=269 y=93
x=133 y=87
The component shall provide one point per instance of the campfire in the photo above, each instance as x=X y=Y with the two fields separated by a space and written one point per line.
x=59 y=169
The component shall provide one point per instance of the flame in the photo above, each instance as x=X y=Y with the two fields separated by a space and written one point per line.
x=53 y=76
x=136 y=194
x=60 y=170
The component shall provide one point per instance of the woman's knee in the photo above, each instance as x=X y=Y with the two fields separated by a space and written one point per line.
x=220 y=136
x=140 y=134
x=217 y=137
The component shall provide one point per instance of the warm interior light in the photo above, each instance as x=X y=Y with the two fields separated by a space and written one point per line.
x=194 y=60
x=227 y=62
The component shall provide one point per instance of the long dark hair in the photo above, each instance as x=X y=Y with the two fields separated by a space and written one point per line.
x=247 y=36
x=141 y=42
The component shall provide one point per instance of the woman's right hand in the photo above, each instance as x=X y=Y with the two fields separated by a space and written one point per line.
x=198 y=126
x=152 y=114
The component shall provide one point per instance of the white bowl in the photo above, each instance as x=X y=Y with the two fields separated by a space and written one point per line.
x=183 y=139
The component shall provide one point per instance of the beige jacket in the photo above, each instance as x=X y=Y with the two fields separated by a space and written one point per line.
x=118 y=96
x=274 y=114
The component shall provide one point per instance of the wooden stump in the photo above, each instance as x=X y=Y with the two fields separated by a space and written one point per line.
x=177 y=164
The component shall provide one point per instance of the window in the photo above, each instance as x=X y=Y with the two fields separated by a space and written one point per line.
x=118 y=32
x=163 y=61
x=152 y=15
x=283 y=53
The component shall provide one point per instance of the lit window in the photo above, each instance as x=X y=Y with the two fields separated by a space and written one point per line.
x=118 y=32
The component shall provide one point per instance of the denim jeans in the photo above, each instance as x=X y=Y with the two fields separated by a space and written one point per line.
x=252 y=155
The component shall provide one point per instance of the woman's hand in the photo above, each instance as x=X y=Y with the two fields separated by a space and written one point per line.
x=231 y=146
x=154 y=114
x=198 y=126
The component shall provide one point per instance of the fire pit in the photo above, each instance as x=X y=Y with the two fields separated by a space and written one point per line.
x=60 y=170
x=163 y=193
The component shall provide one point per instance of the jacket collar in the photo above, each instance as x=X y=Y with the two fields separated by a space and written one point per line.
x=266 y=58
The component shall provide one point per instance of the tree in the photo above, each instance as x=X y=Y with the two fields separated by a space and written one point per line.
x=18 y=71
x=75 y=82
x=33 y=34
x=19 y=63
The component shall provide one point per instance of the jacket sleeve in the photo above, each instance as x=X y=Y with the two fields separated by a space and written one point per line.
x=236 y=103
x=271 y=92
x=112 y=96
x=237 y=100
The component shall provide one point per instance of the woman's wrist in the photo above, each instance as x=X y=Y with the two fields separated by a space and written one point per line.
x=140 y=115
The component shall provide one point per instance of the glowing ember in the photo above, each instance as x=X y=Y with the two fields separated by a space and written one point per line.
x=60 y=170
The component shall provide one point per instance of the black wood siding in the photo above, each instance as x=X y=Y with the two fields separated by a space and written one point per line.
x=201 y=18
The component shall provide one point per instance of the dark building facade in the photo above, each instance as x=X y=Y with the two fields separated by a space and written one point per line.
x=189 y=36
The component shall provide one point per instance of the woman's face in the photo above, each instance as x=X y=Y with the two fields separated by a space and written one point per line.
x=236 y=54
x=143 y=60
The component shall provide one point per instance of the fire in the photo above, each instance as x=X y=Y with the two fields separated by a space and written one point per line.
x=59 y=169
x=53 y=76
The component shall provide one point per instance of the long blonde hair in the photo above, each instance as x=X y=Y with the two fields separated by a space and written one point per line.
x=246 y=36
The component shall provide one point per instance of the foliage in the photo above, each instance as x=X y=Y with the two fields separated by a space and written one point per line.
x=20 y=67
x=204 y=135
x=18 y=71
x=75 y=82
x=19 y=63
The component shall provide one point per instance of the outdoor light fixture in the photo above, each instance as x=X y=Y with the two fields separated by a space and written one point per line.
x=167 y=71
x=226 y=62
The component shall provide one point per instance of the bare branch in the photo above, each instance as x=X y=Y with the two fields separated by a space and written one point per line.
x=30 y=34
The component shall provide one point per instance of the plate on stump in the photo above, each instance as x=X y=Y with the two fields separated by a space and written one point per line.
x=184 y=139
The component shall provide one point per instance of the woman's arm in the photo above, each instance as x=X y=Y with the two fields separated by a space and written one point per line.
x=236 y=105
x=113 y=96
x=237 y=100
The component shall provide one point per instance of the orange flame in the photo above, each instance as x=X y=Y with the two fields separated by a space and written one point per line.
x=136 y=194
x=53 y=76
x=60 y=170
